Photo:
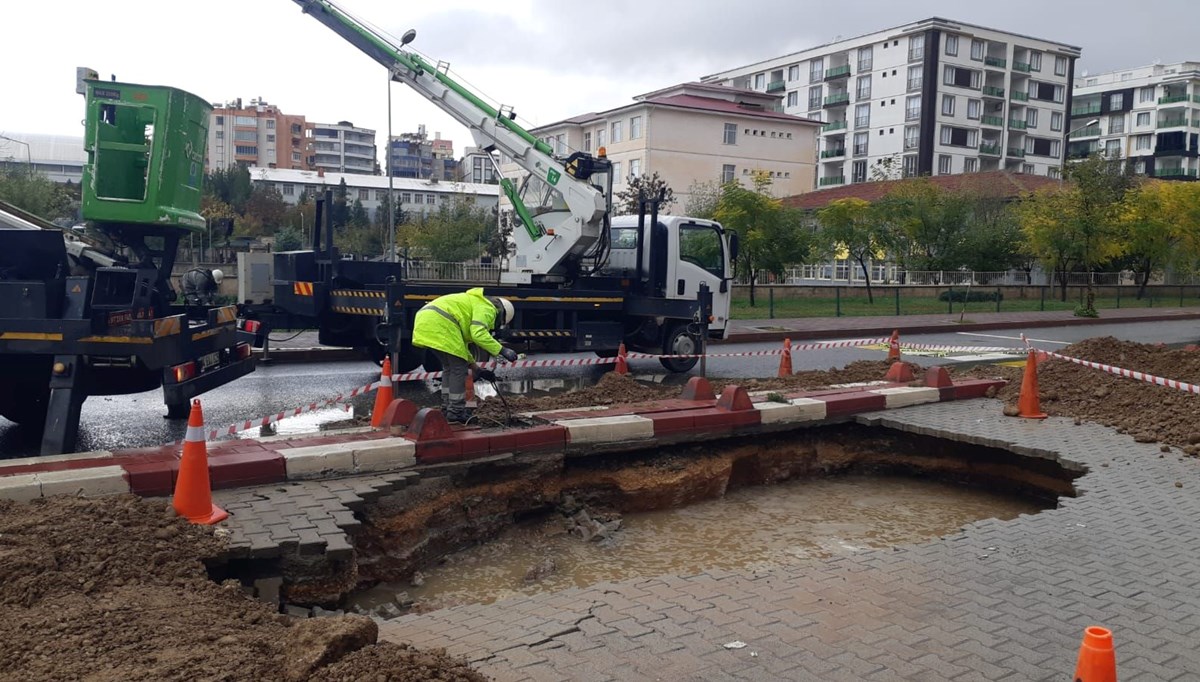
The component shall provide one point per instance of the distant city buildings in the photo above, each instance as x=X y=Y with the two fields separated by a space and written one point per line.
x=58 y=157
x=478 y=166
x=414 y=155
x=258 y=135
x=343 y=148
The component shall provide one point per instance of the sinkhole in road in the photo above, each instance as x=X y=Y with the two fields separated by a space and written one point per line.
x=745 y=506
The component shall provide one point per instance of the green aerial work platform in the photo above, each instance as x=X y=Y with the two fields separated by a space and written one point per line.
x=145 y=146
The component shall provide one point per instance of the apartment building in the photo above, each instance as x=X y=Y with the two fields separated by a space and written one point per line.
x=695 y=133
x=343 y=148
x=412 y=195
x=257 y=135
x=1149 y=115
x=934 y=97
x=478 y=166
x=415 y=155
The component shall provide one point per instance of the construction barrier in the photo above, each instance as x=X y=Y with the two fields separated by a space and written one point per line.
x=193 y=489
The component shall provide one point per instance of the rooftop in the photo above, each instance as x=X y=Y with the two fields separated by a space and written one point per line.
x=62 y=149
x=1004 y=184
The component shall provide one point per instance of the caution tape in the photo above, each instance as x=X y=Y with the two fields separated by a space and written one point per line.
x=236 y=428
x=959 y=349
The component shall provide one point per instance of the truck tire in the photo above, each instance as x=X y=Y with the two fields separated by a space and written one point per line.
x=26 y=405
x=678 y=341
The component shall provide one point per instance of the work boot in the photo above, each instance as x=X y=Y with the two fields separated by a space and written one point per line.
x=458 y=414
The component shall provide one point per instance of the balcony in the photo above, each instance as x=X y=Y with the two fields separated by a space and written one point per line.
x=1022 y=67
x=833 y=153
x=1171 y=99
x=837 y=100
x=1085 y=132
x=992 y=91
x=1020 y=96
x=1017 y=125
x=1086 y=111
x=832 y=126
x=1015 y=152
x=1175 y=173
x=832 y=180
x=997 y=121
x=776 y=86
x=989 y=149
x=837 y=72
x=1172 y=123
x=996 y=62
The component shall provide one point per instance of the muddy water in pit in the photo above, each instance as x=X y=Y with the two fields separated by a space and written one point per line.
x=749 y=528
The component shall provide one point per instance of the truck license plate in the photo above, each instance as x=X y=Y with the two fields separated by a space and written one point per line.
x=210 y=360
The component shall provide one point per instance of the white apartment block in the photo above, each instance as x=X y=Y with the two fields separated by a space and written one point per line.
x=342 y=148
x=937 y=97
x=694 y=133
x=1149 y=115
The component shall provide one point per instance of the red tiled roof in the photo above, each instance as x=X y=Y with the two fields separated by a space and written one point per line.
x=722 y=106
x=996 y=183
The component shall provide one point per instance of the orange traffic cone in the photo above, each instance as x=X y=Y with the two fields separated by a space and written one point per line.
x=785 y=362
x=383 y=397
x=193 y=491
x=622 y=363
x=1097 y=659
x=894 y=346
x=1028 y=405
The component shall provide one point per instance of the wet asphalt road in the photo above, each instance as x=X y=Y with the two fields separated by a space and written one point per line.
x=137 y=420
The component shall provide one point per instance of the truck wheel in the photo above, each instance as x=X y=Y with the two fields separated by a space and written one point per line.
x=27 y=411
x=679 y=342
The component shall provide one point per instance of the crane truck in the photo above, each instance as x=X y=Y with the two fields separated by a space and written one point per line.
x=81 y=317
x=581 y=279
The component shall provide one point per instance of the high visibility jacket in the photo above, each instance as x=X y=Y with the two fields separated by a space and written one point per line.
x=452 y=322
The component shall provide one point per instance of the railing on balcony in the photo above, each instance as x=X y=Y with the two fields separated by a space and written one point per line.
x=912 y=114
x=832 y=126
x=992 y=91
x=1087 y=110
x=835 y=100
x=1017 y=125
x=1085 y=132
x=833 y=153
x=1022 y=67
x=832 y=180
x=837 y=72
x=989 y=149
x=1019 y=153
x=1175 y=172
x=1172 y=123
x=1020 y=96
x=1196 y=98
x=1171 y=99
x=912 y=142
x=914 y=84
x=992 y=121
x=995 y=61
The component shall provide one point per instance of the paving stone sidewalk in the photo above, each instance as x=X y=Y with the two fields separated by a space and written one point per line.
x=1001 y=600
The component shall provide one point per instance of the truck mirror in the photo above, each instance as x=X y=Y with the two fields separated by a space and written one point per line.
x=733 y=246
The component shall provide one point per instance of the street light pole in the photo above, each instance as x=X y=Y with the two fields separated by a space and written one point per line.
x=1067 y=137
x=28 y=153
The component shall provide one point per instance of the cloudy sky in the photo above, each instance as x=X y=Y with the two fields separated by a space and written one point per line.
x=548 y=59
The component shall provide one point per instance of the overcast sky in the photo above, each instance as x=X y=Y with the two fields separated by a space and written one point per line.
x=549 y=59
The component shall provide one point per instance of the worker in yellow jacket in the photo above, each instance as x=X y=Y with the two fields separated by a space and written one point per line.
x=449 y=325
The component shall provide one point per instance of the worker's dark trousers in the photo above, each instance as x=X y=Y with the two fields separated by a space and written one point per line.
x=454 y=386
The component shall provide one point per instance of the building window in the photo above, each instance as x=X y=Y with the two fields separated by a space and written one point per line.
x=270 y=138
x=858 y=171
x=760 y=81
x=1041 y=147
x=1142 y=142
x=380 y=194
x=635 y=128
x=974 y=108
x=418 y=198
x=864 y=87
x=814 y=97
x=912 y=136
x=364 y=194
x=947 y=105
x=1143 y=119
x=1027 y=168
x=862 y=115
x=730 y=133
x=977 y=50
x=245 y=121
x=1060 y=66
x=909 y=166
x=916 y=76
x=245 y=151
x=288 y=189
x=952 y=45
x=794 y=72
x=601 y=137
x=793 y=99
x=816 y=70
x=1116 y=124
x=1035 y=61
x=1146 y=95
x=1116 y=101
x=1031 y=115
x=245 y=135
x=916 y=47
x=860 y=143
x=220 y=134
x=618 y=133
x=970 y=165
x=945 y=163
x=1053 y=172
x=430 y=198
x=220 y=120
x=406 y=198
x=587 y=141
x=270 y=124
x=635 y=168
x=912 y=108
x=866 y=59
x=959 y=137
x=560 y=145
x=728 y=172
x=961 y=78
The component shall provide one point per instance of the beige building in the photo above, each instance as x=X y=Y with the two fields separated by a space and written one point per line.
x=695 y=133
x=258 y=135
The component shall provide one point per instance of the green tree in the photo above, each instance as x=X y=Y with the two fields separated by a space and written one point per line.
x=1101 y=185
x=648 y=186
x=456 y=232
x=265 y=210
x=1046 y=218
x=358 y=215
x=702 y=201
x=853 y=226
x=929 y=224
x=230 y=186
x=288 y=238
x=340 y=209
x=36 y=194
x=772 y=237
x=1160 y=224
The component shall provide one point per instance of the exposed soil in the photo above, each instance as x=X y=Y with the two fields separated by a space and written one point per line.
x=1147 y=412
x=115 y=588
x=855 y=372
x=612 y=389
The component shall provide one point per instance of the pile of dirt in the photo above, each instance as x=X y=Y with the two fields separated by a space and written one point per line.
x=115 y=588
x=855 y=372
x=1147 y=412
x=612 y=389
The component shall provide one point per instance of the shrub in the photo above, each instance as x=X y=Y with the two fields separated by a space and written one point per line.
x=958 y=295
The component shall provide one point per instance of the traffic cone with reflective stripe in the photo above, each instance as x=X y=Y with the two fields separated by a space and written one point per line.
x=785 y=362
x=1028 y=405
x=622 y=363
x=193 y=491
x=383 y=396
x=1097 y=659
x=894 y=347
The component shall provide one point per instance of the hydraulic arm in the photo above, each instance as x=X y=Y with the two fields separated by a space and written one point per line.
x=561 y=209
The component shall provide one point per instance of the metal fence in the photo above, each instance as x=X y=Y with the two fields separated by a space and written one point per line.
x=842 y=274
x=453 y=272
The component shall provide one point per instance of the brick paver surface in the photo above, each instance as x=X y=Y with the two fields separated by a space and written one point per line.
x=1000 y=600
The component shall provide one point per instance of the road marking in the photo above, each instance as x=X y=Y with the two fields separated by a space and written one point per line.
x=1014 y=338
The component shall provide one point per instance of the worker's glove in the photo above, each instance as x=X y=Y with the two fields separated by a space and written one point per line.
x=483 y=374
x=508 y=354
